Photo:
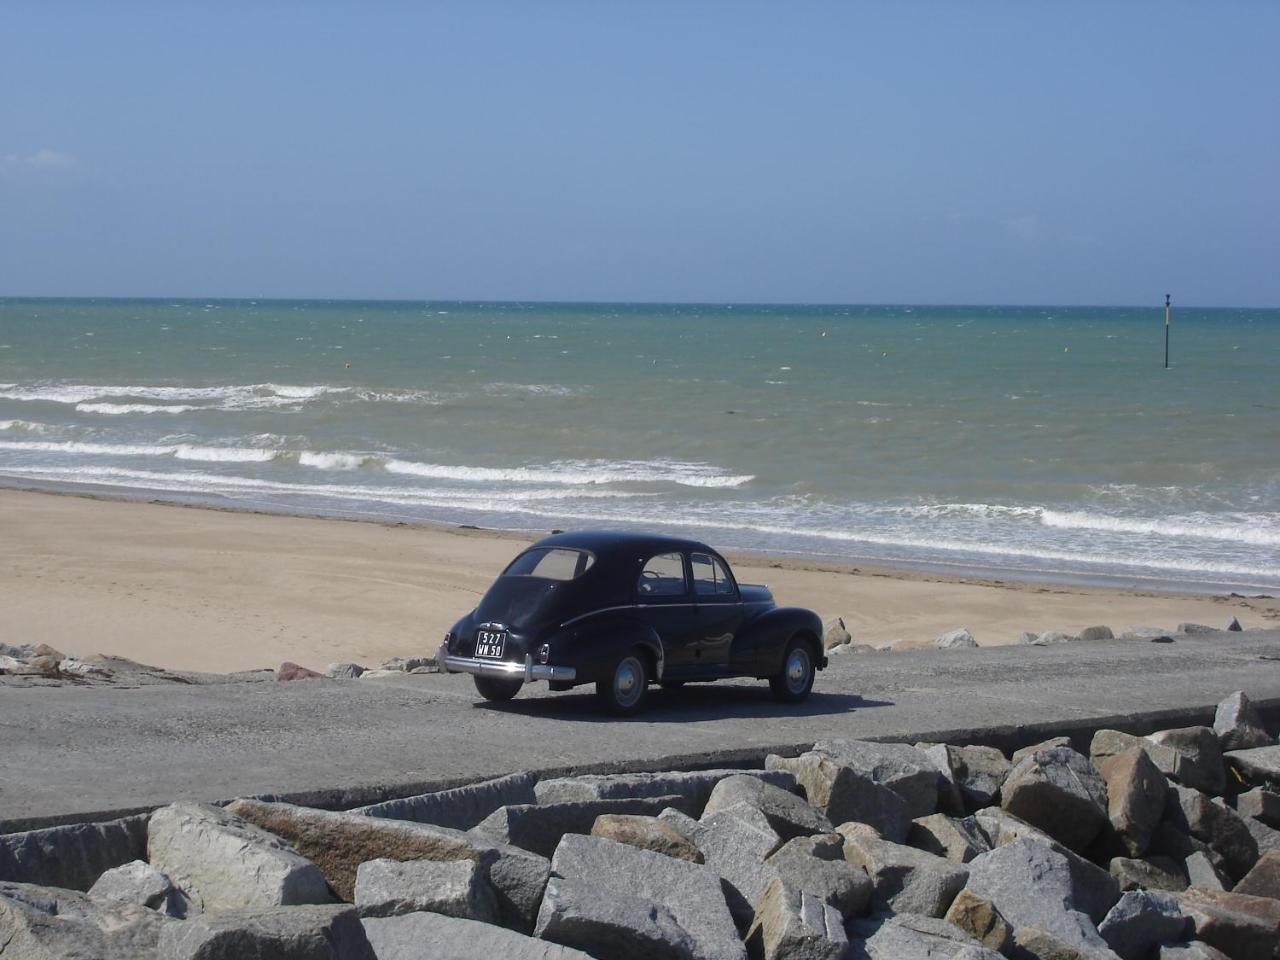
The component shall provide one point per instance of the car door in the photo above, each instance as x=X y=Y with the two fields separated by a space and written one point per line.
x=719 y=610
x=665 y=602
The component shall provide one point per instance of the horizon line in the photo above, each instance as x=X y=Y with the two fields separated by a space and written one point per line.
x=465 y=301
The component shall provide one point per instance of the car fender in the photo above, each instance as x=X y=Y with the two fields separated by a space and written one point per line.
x=763 y=640
x=592 y=646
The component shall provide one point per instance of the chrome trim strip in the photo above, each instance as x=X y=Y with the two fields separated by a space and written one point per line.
x=628 y=606
x=527 y=671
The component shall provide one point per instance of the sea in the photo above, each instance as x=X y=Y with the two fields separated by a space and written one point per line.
x=1032 y=443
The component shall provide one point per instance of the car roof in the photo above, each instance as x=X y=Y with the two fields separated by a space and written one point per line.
x=613 y=542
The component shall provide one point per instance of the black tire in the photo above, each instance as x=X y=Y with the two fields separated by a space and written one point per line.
x=497 y=689
x=622 y=693
x=793 y=683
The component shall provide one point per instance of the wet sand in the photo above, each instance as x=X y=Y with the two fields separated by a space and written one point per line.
x=217 y=590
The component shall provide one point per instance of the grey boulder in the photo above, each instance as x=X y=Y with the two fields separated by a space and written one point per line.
x=959 y=840
x=792 y=924
x=538 y=827
x=1195 y=950
x=1033 y=885
x=46 y=923
x=898 y=766
x=1142 y=920
x=787 y=813
x=1199 y=761
x=1097 y=633
x=1151 y=873
x=1238 y=725
x=907 y=880
x=602 y=891
x=1215 y=824
x=1259 y=766
x=816 y=865
x=418 y=936
x=1058 y=791
x=1260 y=804
x=456 y=888
x=843 y=795
x=955 y=640
x=224 y=863
x=911 y=937
x=735 y=844
x=283 y=933
x=139 y=882
x=1135 y=790
x=977 y=773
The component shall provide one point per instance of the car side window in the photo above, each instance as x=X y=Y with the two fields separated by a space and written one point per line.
x=663 y=576
x=710 y=579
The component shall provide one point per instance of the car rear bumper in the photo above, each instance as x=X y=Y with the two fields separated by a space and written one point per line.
x=506 y=669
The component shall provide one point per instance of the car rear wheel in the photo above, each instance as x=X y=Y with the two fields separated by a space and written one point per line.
x=497 y=689
x=622 y=692
x=795 y=681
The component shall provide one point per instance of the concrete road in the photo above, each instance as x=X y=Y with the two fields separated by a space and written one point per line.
x=69 y=752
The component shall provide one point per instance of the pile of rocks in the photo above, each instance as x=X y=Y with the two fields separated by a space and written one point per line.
x=837 y=638
x=41 y=665
x=1165 y=846
x=393 y=667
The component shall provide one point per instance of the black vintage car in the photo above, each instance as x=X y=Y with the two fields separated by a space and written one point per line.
x=623 y=611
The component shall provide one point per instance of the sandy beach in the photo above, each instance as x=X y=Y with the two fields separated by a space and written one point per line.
x=216 y=590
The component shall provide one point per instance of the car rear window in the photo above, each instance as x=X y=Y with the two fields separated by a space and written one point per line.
x=550 y=563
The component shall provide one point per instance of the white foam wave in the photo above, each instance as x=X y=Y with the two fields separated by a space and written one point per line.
x=27 y=426
x=116 y=409
x=531 y=389
x=194 y=481
x=333 y=461
x=180 y=451
x=1259 y=530
x=577 y=472
x=227 y=396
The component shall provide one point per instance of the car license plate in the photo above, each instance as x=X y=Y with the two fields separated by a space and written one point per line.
x=490 y=643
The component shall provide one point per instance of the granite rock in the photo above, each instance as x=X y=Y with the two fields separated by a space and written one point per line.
x=456 y=888
x=789 y=815
x=1142 y=920
x=898 y=766
x=415 y=936
x=647 y=833
x=283 y=933
x=844 y=795
x=221 y=862
x=1238 y=725
x=792 y=924
x=1135 y=790
x=907 y=880
x=1058 y=791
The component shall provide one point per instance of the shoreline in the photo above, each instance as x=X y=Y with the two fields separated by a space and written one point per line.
x=218 y=589
x=950 y=572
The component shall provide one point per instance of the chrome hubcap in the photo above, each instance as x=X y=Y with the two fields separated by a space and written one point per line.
x=628 y=681
x=797 y=669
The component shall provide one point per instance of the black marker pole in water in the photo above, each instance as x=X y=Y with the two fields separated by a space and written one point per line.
x=1166 y=331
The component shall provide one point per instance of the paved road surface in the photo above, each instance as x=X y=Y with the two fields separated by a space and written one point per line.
x=81 y=750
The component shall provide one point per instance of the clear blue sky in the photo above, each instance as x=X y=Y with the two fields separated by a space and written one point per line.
x=720 y=151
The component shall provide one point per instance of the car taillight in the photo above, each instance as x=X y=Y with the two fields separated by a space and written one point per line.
x=544 y=653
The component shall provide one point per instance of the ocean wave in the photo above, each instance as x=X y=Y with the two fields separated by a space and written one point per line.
x=568 y=473
x=1255 y=529
x=333 y=461
x=578 y=472
x=116 y=409
x=180 y=451
x=227 y=396
x=532 y=390
x=196 y=482
x=27 y=426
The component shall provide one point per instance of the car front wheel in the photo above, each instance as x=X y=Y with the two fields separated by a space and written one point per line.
x=622 y=692
x=497 y=689
x=795 y=681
